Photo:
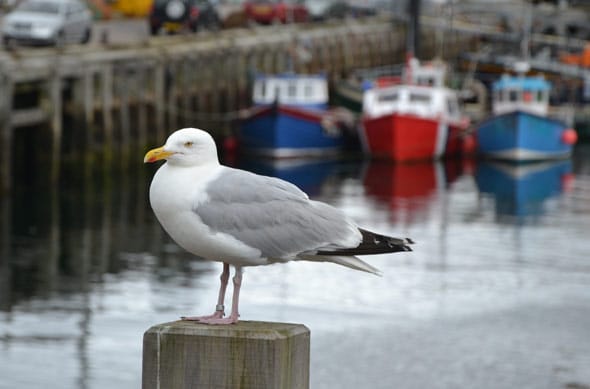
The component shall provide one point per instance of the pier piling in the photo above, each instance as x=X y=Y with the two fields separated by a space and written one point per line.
x=253 y=355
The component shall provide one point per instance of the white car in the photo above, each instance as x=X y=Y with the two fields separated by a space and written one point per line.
x=48 y=22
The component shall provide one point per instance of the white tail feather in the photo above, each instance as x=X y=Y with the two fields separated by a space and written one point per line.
x=348 y=261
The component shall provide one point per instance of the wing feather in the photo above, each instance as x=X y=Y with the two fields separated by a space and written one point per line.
x=273 y=216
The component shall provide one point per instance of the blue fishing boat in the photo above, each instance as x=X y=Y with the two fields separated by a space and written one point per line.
x=520 y=128
x=291 y=117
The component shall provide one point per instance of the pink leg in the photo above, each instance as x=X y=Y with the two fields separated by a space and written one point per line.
x=233 y=317
x=219 y=309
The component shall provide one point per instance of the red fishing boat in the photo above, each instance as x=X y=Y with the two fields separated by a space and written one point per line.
x=416 y=119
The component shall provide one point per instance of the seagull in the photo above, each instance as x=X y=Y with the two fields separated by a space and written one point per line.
x=244 y=219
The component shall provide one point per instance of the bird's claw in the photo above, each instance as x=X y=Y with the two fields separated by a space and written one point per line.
x=215 y=315
x=220 y=321
x=216 y=318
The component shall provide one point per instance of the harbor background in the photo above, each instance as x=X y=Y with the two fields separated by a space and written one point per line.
x=495 y=294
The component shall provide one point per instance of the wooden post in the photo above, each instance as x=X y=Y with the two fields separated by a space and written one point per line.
x=171 y=100
x=123 y=86
x=185 y=92
x=107 y=108
x=142 y=101
x=88 y=88
x=160 y=98
x=55 y=89
x=6 y=133
x=253 y=355
x=6 y=267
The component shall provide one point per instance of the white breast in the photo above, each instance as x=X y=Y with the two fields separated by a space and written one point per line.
x=174 y=192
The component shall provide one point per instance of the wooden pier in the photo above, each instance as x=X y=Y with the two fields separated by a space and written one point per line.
x=124 y=98
x=121 y=95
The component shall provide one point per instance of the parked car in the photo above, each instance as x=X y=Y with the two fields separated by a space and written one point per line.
x=328 y=9
x=174 y=16
x=48 y=22
x=276 y=11
x=320 y=10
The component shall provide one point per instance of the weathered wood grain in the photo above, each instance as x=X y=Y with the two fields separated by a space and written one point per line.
x=247 y=355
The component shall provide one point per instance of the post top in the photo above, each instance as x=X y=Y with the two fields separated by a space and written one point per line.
x=242 y=329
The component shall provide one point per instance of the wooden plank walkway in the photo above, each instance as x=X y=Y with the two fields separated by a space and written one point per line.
x=169 y=81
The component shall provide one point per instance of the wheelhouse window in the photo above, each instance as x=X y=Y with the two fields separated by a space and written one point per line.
x=291 y=90
x=419 y=98
x=308 y=90
x=388 y=97
x=425 y=80
x=260 y=90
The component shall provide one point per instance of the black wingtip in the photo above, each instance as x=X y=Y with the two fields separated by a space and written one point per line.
x=394 y=244
x=373 y=243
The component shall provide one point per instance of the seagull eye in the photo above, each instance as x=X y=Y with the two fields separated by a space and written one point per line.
x=188 y=144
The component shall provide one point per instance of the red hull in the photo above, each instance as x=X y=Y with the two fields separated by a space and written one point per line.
x=406 y=137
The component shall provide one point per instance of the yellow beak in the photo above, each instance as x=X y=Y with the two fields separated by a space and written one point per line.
x=156 y=155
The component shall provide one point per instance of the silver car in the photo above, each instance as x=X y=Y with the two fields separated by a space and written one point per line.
x=48 y=22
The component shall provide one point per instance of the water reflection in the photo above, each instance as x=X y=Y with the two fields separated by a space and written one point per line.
x=309 y=174
x=408 y=189
x=521 y=191
x=59 y=246
x=68 y=239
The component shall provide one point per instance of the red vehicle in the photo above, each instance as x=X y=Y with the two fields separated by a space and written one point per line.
x=276 y=11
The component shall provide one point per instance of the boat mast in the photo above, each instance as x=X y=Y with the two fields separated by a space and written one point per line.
x=523 y=66
x=413 y=35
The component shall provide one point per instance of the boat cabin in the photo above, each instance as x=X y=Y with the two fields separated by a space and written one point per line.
x=416 y=100
x=431 y=73
x=520 y=93
x=300 y=90
x=414 y=72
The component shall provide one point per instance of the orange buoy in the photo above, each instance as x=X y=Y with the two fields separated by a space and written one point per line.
x=569 y=136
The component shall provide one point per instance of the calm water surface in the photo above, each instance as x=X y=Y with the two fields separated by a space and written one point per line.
x=495 y=295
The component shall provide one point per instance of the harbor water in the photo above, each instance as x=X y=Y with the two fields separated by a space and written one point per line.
x=496 y=293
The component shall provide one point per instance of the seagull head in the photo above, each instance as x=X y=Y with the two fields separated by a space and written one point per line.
x=186 y=147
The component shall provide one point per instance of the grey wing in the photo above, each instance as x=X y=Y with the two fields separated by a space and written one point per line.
x=273 y=215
